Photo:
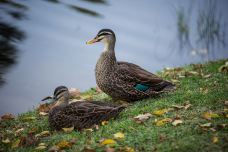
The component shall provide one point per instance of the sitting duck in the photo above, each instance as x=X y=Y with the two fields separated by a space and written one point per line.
x=80 y=114
x=122 y=80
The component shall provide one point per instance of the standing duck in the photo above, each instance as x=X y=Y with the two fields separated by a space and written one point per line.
x=80 y=114
x=123 y=80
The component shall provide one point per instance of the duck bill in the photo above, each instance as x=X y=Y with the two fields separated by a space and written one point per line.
x=92 y=41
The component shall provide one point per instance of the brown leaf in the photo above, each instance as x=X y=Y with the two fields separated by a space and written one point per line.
x=142 y=117
x=45 y=107
x=53 y=149
x=28 y=140
x=207 y=76
x=226 y=103
x=224 y=68
x=64 y=144
x=88 y=149
x=7 y=116
x=74 y=93
x=108 y=149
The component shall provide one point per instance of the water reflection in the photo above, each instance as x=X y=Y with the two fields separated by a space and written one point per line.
x=208 y=28
x=84 y=10
x=10 y=35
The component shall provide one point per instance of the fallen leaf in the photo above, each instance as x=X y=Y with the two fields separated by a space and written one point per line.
x=109 y=149
x=207 y=76
x=119 y=135
x=226 y=103
x=41 y=146
x=6 y=141
x=88 y=149
x=68 y=130
x=28 y=140
x=160 y=112
x=215 y=139
x=43 y=134
x=142 y=117
x=16 y=143
x=163 y=122
x=108 y=142
x=88 y=130
x=126 y=149
x=7 y=116
x=53 y=149
x=104 y=123
x=224 y=68
x=74 y=93
x=177 y=122
x=64 y=144
x=209 y=115
x=206 y=125
x=191 y=73
x=43 y=113
x=45 y=107
x=19 y=131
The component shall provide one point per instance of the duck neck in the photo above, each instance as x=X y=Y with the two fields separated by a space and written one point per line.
x=109 y=52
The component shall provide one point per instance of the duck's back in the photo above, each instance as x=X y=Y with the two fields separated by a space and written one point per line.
x=82 y=114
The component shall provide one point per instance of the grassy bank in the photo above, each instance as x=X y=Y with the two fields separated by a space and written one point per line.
x=193 y=118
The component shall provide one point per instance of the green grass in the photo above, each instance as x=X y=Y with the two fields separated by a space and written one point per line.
x=204 y=94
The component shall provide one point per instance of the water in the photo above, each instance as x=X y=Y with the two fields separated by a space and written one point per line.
x=54 y=52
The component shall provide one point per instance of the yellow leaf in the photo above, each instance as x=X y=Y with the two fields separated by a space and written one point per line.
x=215 y=139
x=119 y=135
x=210 y=115
x=64 y=144
x=108 y=142
x=43 y=134
x=89 y=129
x=6 y=141
x=68 y=129
x=160 y=112
x=41 y=146
x=129 y=149
x=163 y=122
x=16 y=143
x=177 y=122
x=104 y=123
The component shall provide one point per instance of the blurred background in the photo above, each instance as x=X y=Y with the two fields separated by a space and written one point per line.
x=42 y=42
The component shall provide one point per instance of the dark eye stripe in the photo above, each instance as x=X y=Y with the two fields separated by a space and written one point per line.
x=104 y=33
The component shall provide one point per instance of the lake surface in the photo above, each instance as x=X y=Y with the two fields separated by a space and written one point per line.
x=54 y=52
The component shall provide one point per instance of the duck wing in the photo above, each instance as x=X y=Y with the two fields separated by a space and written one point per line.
x=89 y=113
x=143 y=79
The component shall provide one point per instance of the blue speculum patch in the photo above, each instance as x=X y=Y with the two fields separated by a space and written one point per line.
x=141 y=87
